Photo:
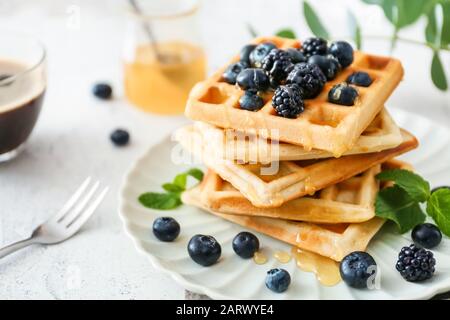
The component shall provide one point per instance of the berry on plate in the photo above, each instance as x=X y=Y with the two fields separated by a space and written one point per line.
x=426 y=235
x=120 y=137
x=245 y=244
x=343 y=52
x=244 y=55
x=328 y=64
x=278 y=280
x=288 y=101
x=343 y=94
x=258 y=54
x=166 y=229
x=277 y=64
x=312 y=46
x=309 y=77
x=356 y=268
x=415 y=264
x=102 y=91
x=232 y=71
x=251 y=101
x=204 y=250
x=253 y=78
x=360 y=78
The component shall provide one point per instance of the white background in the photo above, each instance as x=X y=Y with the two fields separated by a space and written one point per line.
x=71 y=142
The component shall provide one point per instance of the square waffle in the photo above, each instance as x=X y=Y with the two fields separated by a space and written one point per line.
x=274 y=184
x=323 y=125
x=330 y=240
x=381 y=134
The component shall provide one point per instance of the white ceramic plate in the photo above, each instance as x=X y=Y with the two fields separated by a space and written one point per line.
x=236 y=278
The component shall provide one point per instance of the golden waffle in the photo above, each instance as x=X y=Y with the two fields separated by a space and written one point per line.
x=274 y=184
x=230 y=144
x=323 y=125
x=350 y=201
x=330 y=240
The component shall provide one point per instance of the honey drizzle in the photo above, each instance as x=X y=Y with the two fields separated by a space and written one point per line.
x=325 y=269
x=259 y=258
x=282 y=256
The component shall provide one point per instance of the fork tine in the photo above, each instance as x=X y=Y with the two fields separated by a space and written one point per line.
x=78 y=209
x=82 y=218
x=71 y=202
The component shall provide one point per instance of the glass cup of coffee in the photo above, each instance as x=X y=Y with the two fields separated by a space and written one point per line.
x=22 y=89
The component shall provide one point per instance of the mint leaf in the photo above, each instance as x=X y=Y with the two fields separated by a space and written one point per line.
x=286 y=33
x=397 y=205
x=414 y=185
x=438 y=73
x=313 y=21
x=180 y=180
x=195 y=173
x=438 y=207
x=174 y=188
x=160 y=201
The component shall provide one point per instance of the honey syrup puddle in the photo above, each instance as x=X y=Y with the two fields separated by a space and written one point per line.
x=325 y=269
x=259 y=258
x=282 y=256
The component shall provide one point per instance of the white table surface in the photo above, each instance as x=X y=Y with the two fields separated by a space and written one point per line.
x=71 y=140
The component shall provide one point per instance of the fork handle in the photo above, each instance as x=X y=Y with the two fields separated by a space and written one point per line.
x=15 y=246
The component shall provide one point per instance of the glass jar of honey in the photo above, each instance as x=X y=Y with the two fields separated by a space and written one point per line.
x=163 y=56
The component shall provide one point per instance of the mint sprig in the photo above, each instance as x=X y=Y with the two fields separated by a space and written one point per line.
x=171 y=199
x=401 y=203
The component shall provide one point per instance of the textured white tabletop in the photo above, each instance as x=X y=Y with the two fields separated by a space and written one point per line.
x=71 y=140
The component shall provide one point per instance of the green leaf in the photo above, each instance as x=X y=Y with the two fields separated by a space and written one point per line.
x=396 y=205
x=251 y=30
x=445 y=33
x=431 y=28
x=171 y=187
x=181 y=180
x=409 y=11
x=195 y=173
x=413 y=184
x=355 y=29
x=286 y=33
x=438 y=207
x=314 y=22
x=160 y=201
x=438 y=73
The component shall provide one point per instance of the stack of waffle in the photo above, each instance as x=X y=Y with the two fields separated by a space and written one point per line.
x=309 y=181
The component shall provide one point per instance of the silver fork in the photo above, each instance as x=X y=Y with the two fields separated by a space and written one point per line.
x=64 y=224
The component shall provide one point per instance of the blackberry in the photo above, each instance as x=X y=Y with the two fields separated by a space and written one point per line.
x=232 y=71
x=312 y=46
x=277 y=64
x=288 y=101
x=309 y=77
x=415 y=264
x=251 y=101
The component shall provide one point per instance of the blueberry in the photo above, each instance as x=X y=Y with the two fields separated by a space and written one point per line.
x=102 y=91
x=354 y=269
x=343 y=52
x=440 y=188
x=245 y=53
x=166 y=229
x=426 y=235
x=278 y=280
x=245 y=244
x=329 y=65
x=204 y=250
x=251 y=101
x=360 y=78
x=296 y=55
x=343 y=94
x=258 y=54
x=232 y=71
x=253 y=78
x=120 y=137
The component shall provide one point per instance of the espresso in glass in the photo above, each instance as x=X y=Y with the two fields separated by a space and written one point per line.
x=22 y=89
